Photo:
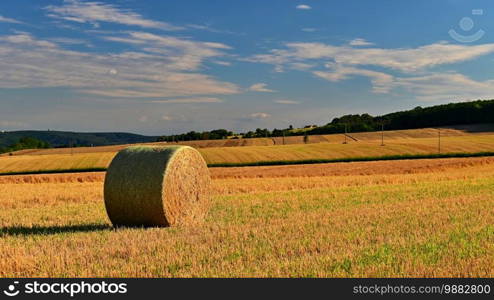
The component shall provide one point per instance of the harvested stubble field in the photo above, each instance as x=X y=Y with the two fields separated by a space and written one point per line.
x=392 y=135
x=297 y=153
x=402 y=218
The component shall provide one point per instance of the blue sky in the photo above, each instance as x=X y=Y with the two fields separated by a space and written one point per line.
x=159 y=67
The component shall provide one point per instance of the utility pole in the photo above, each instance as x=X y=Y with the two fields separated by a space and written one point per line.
x=439 y=140
x=382 y=134
x=283 y=137
x=345 y=134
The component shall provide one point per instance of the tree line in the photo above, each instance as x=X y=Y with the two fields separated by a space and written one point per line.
x=474 y=112
x=25 y=143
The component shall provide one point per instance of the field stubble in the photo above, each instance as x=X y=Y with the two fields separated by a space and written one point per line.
x=401 y=218
x=296 y=153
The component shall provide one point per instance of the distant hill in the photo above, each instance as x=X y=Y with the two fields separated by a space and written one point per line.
x=446 y=115
x=462 y=113
x=66 y=138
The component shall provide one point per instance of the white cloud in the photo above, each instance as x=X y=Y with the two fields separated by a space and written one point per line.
x=25 y=39
x=190 y=100
x=446 y=87
x=360 y=42
x=303 y=7
x=181 y=54
x=426 y=87
x=308 y=29
x=260 y=87
x=260 y=115
x=401 y=59
x=27 y=62
x=94 y=12
x=412 y=65
x=286 y=101
x=382 y=82
x=9 y=20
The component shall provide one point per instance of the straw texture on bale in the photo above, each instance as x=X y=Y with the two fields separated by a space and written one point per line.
x=157 y=186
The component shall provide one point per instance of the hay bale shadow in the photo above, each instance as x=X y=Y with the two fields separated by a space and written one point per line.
x=50 y=230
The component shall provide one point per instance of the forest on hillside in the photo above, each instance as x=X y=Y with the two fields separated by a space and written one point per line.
x=462 y=113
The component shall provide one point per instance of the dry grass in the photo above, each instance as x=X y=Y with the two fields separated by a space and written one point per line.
x=466 y=130
x=432 y=218
x=55 y=162
x=233 y=155
x=315 y=170
x=54 y=178
x=353 y=150
x=351 y=168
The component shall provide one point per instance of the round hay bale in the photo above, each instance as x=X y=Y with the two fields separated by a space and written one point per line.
x=157 y=186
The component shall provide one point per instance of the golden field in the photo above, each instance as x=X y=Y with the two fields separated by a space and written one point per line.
x=418 y=218
x=36 y=161
x=392 y=135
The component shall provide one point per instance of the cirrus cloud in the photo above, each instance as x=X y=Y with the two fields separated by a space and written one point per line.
x=413 y=65
x=95 y=12
x=9 y=20
x=382 y=82
x=27 y=62
x=401 y=59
